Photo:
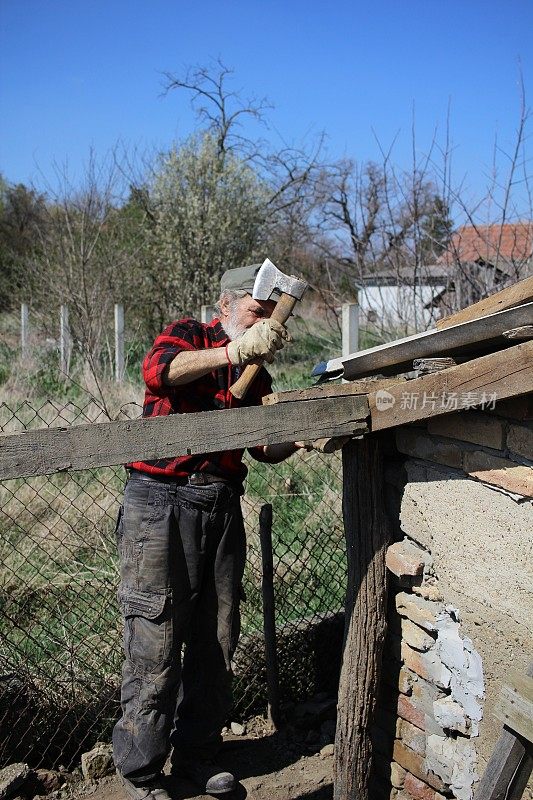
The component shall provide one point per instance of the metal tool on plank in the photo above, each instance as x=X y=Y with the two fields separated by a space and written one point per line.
x=268 y=279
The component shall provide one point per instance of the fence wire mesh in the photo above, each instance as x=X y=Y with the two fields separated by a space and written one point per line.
x=60 y=631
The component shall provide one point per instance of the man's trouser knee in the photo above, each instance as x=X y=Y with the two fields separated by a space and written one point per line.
x=182 y=552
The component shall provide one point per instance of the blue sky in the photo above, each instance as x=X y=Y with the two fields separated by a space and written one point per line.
x=76 y=74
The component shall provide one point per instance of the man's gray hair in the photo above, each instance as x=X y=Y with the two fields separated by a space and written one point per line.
x=231 y=295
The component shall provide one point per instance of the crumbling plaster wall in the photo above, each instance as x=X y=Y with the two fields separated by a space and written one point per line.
x=480 y=541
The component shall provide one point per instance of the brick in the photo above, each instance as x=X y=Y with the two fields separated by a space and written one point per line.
x=499 y=472
x=415 y=636
x=414 y=763
x=423 y=701
x=520 y=408
x=397 y=775
x=405 y=558
x=451 y=715
x=419 y=445
x=421 y=612
x=405 y=681
x=407 y=710
x=418 y=789
x=412 y=736
x=418 y=713
x=470 y=427
x=428 y=591
x=520 y=440
x=426 y=693
x=427 y=665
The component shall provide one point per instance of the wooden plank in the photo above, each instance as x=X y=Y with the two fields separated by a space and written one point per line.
x=518 y=293
x=455 y=340
x=330 y=390
x=501 y=768
x=41 y=452
x=503 y=374
x=521 y=778
x=515 y=705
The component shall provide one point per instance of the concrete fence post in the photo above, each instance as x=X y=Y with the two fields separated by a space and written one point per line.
x=65 y=343
x=119 y=342
x=207 y=313
x=350 y=328
x=24 y=330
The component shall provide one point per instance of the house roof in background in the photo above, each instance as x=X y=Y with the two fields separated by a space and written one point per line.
x=427 y=274
x=495 y=244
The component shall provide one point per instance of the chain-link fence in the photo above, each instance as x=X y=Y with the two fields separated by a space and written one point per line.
x=60 y=632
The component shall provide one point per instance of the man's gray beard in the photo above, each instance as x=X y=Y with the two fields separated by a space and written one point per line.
x=232 y=328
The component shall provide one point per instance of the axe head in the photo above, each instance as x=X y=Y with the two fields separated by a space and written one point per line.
x=270 y=279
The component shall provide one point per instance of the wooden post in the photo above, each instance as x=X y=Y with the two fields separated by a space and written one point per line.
x=119 y=342
x=64 y=343
x=207 y=313
x=24 y=330
x=350 y=328
x=367 y=534
x=269 y=619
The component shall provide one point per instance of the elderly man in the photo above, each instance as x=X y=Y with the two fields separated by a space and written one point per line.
x=181 y=543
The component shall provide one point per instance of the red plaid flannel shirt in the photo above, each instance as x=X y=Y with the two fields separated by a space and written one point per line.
x=207 y=393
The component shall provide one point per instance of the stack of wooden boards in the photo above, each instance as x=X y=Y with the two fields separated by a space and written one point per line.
x=482 y=353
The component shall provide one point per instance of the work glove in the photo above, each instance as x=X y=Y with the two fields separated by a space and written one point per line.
x=260 y=341
x=328 y=445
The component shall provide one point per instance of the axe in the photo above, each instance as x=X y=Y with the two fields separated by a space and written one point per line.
x=268 y=279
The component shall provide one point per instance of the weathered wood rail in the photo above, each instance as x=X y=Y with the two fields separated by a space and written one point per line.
x=44 y=451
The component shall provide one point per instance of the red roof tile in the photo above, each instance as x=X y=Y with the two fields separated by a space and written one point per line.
x=509 y=243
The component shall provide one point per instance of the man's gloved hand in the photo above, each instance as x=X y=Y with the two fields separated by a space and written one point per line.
x=262 y=341
x=329 y=445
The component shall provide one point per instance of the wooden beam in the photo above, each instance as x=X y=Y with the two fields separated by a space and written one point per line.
x=330 y=390
x=40 y=452
x=506 y=373
x=515 y=705
x=515 y=295
x=501 y=768
x=367 y=537
x=485 y=334
x=508 y=768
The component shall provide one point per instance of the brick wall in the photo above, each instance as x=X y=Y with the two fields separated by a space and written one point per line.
x=460 y=602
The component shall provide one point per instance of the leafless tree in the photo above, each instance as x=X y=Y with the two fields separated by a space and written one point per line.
x=84 y=261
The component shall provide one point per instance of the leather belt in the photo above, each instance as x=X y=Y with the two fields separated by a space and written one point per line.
x=194 y=479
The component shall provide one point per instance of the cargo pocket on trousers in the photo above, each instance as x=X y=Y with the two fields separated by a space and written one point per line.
x=147 y=627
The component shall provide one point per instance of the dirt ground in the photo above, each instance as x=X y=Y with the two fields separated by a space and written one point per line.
x=268 y=767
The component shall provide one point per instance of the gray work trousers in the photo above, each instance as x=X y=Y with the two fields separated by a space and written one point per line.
x=182 y=551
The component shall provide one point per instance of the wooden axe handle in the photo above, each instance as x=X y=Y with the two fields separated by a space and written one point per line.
x=281 y=313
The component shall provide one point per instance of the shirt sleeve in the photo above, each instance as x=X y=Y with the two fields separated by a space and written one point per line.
x=182 y=335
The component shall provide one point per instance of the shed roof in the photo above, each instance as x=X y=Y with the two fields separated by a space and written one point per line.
x=493 y=244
